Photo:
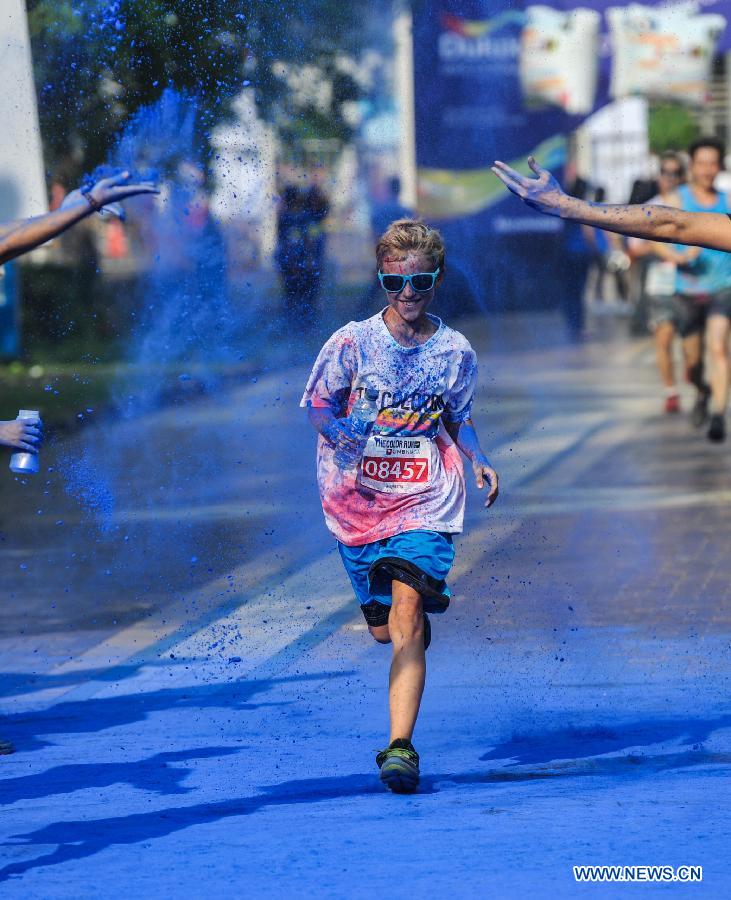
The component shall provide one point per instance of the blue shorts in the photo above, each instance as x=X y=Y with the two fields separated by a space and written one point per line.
x=431 y=551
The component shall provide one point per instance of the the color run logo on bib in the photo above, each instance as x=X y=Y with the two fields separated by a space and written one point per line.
x=397 y=460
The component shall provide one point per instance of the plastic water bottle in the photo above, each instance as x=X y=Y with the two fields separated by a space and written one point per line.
x=25 y=463
x=362 y=416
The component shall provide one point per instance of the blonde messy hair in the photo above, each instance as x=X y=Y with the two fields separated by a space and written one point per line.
x=406 y=236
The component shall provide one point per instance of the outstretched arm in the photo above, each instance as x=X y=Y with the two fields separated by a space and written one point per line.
x=657 y=223
x=20 y=237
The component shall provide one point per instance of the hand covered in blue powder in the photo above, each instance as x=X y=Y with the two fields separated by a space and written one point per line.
x=21 y=434
x=543 y=193
x=340 y=433
x=484 y=472
x=110 y=190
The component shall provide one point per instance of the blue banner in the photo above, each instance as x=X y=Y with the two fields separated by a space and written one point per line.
x=470 y=110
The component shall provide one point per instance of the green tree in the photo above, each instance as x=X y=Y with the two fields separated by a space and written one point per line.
x=98 y=61
x=671 y=127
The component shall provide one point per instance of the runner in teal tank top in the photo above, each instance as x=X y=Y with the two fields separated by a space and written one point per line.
x=707 y=224
x=704 y=286
x=710 y=272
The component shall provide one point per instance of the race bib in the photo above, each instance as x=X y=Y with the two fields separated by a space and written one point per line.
x=397 y=465
x=660 y=280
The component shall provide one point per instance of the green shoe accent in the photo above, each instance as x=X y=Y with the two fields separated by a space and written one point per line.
x=399 y=767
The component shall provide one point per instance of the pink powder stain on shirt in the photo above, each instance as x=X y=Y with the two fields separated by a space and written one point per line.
x=416 y=389
x=357 y=515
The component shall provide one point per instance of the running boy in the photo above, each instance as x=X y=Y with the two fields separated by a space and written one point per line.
x=394 y=514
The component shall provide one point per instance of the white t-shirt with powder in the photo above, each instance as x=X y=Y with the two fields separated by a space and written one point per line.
x=411 y=475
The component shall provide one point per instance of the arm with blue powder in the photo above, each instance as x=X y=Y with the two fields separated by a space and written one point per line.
x=655 y=223
x=465 y=437
x=19 y=237
x=327 y=393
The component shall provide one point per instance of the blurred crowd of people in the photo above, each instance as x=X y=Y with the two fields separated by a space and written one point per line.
x=677 y=292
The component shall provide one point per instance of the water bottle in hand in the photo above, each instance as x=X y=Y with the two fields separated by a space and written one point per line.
x=25 y=463
x=360 y=422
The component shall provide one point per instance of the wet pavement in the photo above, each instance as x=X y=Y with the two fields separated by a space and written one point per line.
x=196 y=704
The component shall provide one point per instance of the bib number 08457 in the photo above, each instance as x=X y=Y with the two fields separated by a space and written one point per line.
x=396 y=469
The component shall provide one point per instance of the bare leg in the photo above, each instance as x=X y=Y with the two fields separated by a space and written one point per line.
x=664 y=334
x=717 y=332
x=692 y=351
x=408 y=666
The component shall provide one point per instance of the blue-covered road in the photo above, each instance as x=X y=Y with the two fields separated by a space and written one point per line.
x=196 y=704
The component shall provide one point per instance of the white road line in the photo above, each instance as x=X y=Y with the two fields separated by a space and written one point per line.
x=547 y=439
x=618 y=500
x=205 y=605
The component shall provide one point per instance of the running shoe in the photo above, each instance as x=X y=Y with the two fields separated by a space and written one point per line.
x=672 y=404
x=717 y=429
x=399 y=765
x=700 y=408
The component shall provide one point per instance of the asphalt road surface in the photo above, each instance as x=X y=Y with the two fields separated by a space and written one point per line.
x=196 y=704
